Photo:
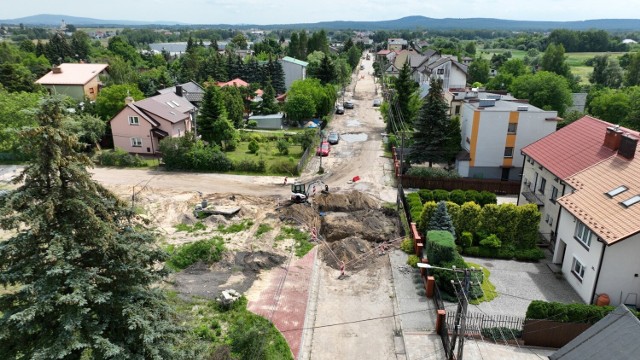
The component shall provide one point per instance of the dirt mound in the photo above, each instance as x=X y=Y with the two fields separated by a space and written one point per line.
x=258 y=260
x=370 y=225
x=356 y=253
x=345 y=202
x=302 y=214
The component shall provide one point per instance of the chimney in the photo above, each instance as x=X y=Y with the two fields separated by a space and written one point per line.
x=179 y=90
x=612 y=137
x=628 y=145
x=57 y=70
x=128 y=100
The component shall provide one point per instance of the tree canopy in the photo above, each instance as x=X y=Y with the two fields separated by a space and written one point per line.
x=543 y=89
x=83 y=269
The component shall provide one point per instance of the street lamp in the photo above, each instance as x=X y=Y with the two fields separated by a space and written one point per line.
x=429 y=266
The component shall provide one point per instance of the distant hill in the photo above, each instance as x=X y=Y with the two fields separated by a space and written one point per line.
x=409 y=22
x=55 y=20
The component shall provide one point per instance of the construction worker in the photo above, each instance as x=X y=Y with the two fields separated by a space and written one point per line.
x=285 y=181
x=342 y=269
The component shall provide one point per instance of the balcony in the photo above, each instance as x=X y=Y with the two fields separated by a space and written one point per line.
x=531 y=197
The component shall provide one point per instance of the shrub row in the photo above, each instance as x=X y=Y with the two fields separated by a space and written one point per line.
x=119 y=157
x=246 y=165
x=566 y=313
x=501 y=333
x=183 y=256
x=187 y=153
x=532 y=255
x=432 y=173
x=459 y=197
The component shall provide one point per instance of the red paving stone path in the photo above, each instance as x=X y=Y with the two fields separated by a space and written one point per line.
x=287 y=311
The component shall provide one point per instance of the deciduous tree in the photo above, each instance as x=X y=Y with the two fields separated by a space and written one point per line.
x=544 y=89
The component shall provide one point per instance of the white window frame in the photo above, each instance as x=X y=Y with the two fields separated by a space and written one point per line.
x=136 y=142
x=134 y=120
x=577 y=268
x=583 y=234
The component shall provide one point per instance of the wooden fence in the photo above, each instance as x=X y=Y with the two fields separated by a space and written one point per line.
x=551 y=333
x=494 y=186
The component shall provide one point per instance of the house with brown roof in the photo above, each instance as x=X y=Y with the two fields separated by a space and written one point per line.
x=140 y=125
x=585 y=178
x=75 y=80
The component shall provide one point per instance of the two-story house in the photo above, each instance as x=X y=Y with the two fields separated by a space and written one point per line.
x=140 y=125
x=494 y=129
x=586 y=180
x=397 y=44
x=74 y=80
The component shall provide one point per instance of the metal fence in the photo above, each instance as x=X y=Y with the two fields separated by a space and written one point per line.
x=509 y=326
x=444 y=327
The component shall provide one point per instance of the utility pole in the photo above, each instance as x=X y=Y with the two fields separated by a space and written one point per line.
x=461 y=314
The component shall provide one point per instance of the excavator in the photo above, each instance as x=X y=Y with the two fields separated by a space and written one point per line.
x=300 y=191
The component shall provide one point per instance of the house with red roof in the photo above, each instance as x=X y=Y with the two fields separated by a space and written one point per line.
x=75 y=80
x=140 y=125
x=585 y=179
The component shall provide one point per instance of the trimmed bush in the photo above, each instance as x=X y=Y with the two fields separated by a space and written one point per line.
x=283 y=146
x=487 y=197
x=567 y=313
x=425 y=195
x=415 y=205
x=407 y=246
x=413 y=261
x=472 y=195
x=441 y=247
x=531 y=255
x=491 y=241
x=457 y=196
x=466 y=239
x=282 y=166
x=440 y=195
x=428 y=209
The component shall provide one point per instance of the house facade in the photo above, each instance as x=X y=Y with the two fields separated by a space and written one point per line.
x=550 y=161
x=452 y=73
x=294 y=69
x=585 y=180
x=494 y=129
x=140 y=125
x=74 y=80
x=397 y=44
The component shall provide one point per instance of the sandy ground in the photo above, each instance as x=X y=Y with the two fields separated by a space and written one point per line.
x=351 y=318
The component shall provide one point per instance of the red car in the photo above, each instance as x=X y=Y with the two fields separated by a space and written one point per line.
x=323 y=149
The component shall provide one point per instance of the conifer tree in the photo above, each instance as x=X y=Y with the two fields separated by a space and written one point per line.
x=432 y=128
x=212 y=108
x=81 y=267
x=440 y=220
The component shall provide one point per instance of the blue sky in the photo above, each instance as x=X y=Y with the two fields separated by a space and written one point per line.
x=303 y=11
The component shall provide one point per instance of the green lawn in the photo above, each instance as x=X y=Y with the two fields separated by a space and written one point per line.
x=515 y=54
x=268 y=151
x=584 y=72
x=487 y=287
x=579 y=59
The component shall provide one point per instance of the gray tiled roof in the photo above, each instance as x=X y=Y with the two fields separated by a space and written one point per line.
x=616 y=336
x=190 y=91
x=159 y=106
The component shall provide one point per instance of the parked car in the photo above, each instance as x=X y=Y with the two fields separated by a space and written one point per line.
x=333 y=138
x=347 y=105
x=377 y=102
x=323 y=149
x=340 y=109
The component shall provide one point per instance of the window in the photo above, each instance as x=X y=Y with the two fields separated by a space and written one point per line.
x=577 y=269
x=133 y=120
x=583 y=234
x=617 y=191
x=136 y=142
x=508 y=152
x=457 y=110
x=513 y=127
x=631 y=201
x=91 y=90
x=546 y=218
x=543 y=184
x=550 y=221
x=554 y=194
x=440 y=71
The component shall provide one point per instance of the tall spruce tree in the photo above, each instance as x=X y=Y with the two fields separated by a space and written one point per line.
x=432 y=128
x=326 y=70
x=404 y=88
x=81 y=268
x=212 y=108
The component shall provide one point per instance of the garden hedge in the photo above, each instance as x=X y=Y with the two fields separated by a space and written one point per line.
x=568 y=313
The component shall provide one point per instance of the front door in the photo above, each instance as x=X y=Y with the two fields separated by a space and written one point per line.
x=505 y=174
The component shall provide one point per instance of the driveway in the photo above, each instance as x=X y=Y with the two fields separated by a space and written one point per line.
x=518 y=283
